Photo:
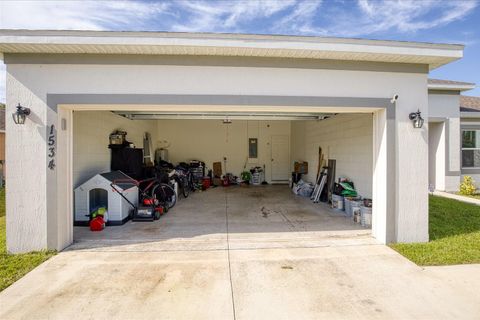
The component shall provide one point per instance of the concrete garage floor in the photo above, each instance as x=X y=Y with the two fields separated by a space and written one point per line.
x=181 y=272
x=239 y=217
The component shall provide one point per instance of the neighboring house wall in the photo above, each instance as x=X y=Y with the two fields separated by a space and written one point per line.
x=212 y=140
x=32 y=192
x=472 y=124
x=444 y=137
x=348 y=138
x=91 y=130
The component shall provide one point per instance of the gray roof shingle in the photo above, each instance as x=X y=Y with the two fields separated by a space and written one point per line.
x=469 y=104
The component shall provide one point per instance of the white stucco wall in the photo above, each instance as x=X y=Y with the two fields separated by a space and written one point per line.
x=347 y=138
x=445 y=145
x=32 y=187
x=436 y=155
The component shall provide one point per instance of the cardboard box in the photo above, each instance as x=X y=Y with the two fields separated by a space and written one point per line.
x=301 y=167
x=217 y=169
x=217 y=182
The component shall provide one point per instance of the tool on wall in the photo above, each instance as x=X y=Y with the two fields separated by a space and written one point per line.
x=319 y=166
x=264 y=182
x=320 y=185
x=322 y=177
x=147 y=149
x=327 y=196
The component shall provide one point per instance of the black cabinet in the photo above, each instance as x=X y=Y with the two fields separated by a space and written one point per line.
x=128 y=160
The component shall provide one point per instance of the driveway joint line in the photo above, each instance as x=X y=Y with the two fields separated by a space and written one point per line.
x=228 y=255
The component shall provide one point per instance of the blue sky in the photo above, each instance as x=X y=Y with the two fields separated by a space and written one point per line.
x=451 y=21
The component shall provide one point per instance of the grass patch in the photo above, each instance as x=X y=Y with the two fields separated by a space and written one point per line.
x=15 y=266
x=454 y=235
x=474 y=196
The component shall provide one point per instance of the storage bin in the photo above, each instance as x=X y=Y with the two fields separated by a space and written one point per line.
x=349 y=203
x=366 y=216
x=357 y=214
x=337 y=202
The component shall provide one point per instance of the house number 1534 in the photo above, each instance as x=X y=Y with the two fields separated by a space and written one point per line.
x=51 y=147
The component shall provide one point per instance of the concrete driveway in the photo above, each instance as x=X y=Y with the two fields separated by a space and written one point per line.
x=300 y=271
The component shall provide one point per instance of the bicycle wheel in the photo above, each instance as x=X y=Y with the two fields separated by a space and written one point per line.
x=185 y=187
x=165 y=194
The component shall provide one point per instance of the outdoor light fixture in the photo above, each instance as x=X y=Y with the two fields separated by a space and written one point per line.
x=21 y=114
x=417 y=119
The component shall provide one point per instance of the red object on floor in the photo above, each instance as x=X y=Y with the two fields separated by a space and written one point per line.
x=97 y=224
x=206 y=183
x=226 y=182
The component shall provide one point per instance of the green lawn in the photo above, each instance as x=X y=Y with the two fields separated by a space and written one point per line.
x=454 y=235
x=15 y=266
x=474 y=196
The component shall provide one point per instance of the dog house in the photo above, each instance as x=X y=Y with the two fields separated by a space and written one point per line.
x=98 y=192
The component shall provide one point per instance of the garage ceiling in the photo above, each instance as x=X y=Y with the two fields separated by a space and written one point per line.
x=137 y=115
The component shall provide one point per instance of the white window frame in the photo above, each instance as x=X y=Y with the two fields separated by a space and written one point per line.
x=467 y=149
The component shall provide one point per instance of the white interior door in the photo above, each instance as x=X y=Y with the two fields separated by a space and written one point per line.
x=280 y=157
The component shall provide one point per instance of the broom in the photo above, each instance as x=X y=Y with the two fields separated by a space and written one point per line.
x=264 y=182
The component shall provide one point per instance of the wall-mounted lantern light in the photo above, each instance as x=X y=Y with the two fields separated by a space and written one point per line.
x=21 y=114
x=417 y=119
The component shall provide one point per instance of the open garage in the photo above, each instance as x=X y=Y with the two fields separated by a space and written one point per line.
x=252 y=214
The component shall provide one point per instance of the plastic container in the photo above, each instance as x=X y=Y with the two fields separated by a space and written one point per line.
x=337 y=202
x=97 y=224
x=206 y=183
x=349 y=203
x=357 y=214
x=366 y=216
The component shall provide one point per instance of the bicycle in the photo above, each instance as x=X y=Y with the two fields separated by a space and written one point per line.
x=183 y=177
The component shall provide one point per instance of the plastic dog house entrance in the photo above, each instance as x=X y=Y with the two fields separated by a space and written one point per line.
x=98 y=198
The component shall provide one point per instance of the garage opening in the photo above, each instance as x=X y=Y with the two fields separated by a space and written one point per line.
x=252 y=175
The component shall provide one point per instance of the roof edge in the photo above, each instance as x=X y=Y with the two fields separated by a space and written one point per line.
x=451 y=87
x=225 y=36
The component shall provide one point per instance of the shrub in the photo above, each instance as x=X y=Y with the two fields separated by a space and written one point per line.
x=468 y=187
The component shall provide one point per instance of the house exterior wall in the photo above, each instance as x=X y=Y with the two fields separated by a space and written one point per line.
x=436 y=155
x=444 y=148
x=32 y=217
x=348 y=138
x=471 y=123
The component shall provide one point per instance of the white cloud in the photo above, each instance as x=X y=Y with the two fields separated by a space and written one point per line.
x=403 y=16
x=300 y=20
x=79 y=15
x=224 y=16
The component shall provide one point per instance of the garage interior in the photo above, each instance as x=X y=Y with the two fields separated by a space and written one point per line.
x=250 y=215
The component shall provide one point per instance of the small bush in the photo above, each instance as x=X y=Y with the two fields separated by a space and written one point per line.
x=468 y=187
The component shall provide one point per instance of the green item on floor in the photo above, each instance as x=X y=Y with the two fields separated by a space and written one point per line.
x=246 y=176
x=348 y=190
x=98 y=212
